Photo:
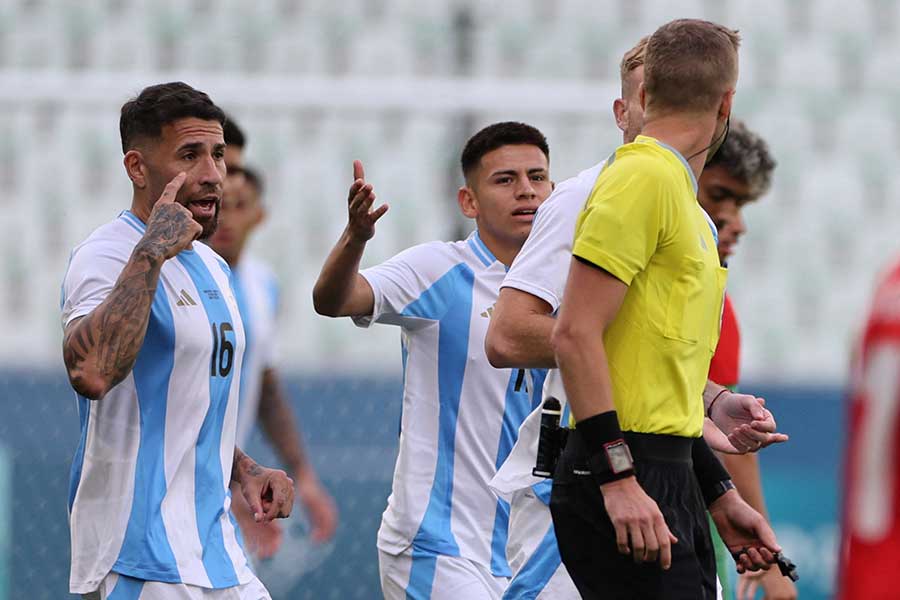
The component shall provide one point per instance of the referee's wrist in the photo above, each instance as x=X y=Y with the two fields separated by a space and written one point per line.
x=609 y=457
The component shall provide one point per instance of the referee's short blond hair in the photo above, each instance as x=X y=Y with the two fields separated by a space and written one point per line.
x=689 y=64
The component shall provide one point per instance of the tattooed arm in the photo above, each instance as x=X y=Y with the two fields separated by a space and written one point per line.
x=269 y=492
x=100 y=348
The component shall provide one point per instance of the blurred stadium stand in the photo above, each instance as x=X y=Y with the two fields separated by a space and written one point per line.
x=400 y=84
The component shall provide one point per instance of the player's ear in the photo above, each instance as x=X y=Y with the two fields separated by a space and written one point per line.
x=135 y=168
x=261 y=214
x=468 y=204
x=552 y=185
x=642 y=93
x=619 y=113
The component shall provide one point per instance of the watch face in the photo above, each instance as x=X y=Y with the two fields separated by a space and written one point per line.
x=619 y=457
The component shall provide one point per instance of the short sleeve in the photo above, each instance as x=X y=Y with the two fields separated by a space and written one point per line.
x=402 y=279
x=93 y=270
x=542 y=265
x=625 y=218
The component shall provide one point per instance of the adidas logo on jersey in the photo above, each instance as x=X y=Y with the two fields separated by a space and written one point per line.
x=487 y=314
x=184 y=299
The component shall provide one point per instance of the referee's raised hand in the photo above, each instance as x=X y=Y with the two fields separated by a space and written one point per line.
x=641 y=529
x=362 y=218
x=171 y=227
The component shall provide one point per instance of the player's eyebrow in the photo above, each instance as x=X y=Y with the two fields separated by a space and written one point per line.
x=513 y=172
x=190 y=146
x=197 y=146
x=730 y=193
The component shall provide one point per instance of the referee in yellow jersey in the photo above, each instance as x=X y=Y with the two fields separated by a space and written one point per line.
x=634 y=340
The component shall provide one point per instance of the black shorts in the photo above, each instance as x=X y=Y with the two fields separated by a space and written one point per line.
x=587 y=538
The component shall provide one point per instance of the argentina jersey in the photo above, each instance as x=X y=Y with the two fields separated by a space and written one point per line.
x=149 y=483
x=460 y=416
x=256 y=290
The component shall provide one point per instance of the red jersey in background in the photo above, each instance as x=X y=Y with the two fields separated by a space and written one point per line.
x=725 y=368
x=870 y=548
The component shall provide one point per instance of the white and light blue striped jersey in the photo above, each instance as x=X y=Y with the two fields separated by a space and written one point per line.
x=541 y=268
x=149 y=495
x=256 y=290
x=542 y=265
x=460 y=416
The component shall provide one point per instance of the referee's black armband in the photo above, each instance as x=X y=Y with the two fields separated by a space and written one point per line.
x=709 y=471
x=609 y=457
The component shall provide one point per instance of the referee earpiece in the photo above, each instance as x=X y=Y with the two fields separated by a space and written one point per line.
x=715 y=144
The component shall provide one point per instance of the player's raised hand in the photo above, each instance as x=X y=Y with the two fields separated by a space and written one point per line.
x=171 y=227
x=362 y=218
x=746 y=421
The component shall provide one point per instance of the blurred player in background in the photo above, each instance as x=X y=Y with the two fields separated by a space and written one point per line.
x=739 y=173
x=633 y=342
x=262 y=396
x=154 y=346
x=519 y=334
x=443 y=535
x=870 y=540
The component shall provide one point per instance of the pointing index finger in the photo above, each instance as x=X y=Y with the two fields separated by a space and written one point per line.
x=358 y=171
x=171 y=191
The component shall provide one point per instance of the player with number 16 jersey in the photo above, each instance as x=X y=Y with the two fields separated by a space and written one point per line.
x=154 y=347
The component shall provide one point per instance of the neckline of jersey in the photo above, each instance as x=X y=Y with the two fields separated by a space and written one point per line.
x=481 y=250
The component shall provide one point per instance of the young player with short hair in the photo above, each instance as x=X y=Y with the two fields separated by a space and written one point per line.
x=443 y=535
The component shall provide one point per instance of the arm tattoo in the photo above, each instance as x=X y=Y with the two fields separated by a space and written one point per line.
x=166 y=230
x=100 y=349
x=243 y=464
x=104 y=344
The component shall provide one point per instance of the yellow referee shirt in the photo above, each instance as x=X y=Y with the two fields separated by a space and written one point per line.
x=643 y=224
